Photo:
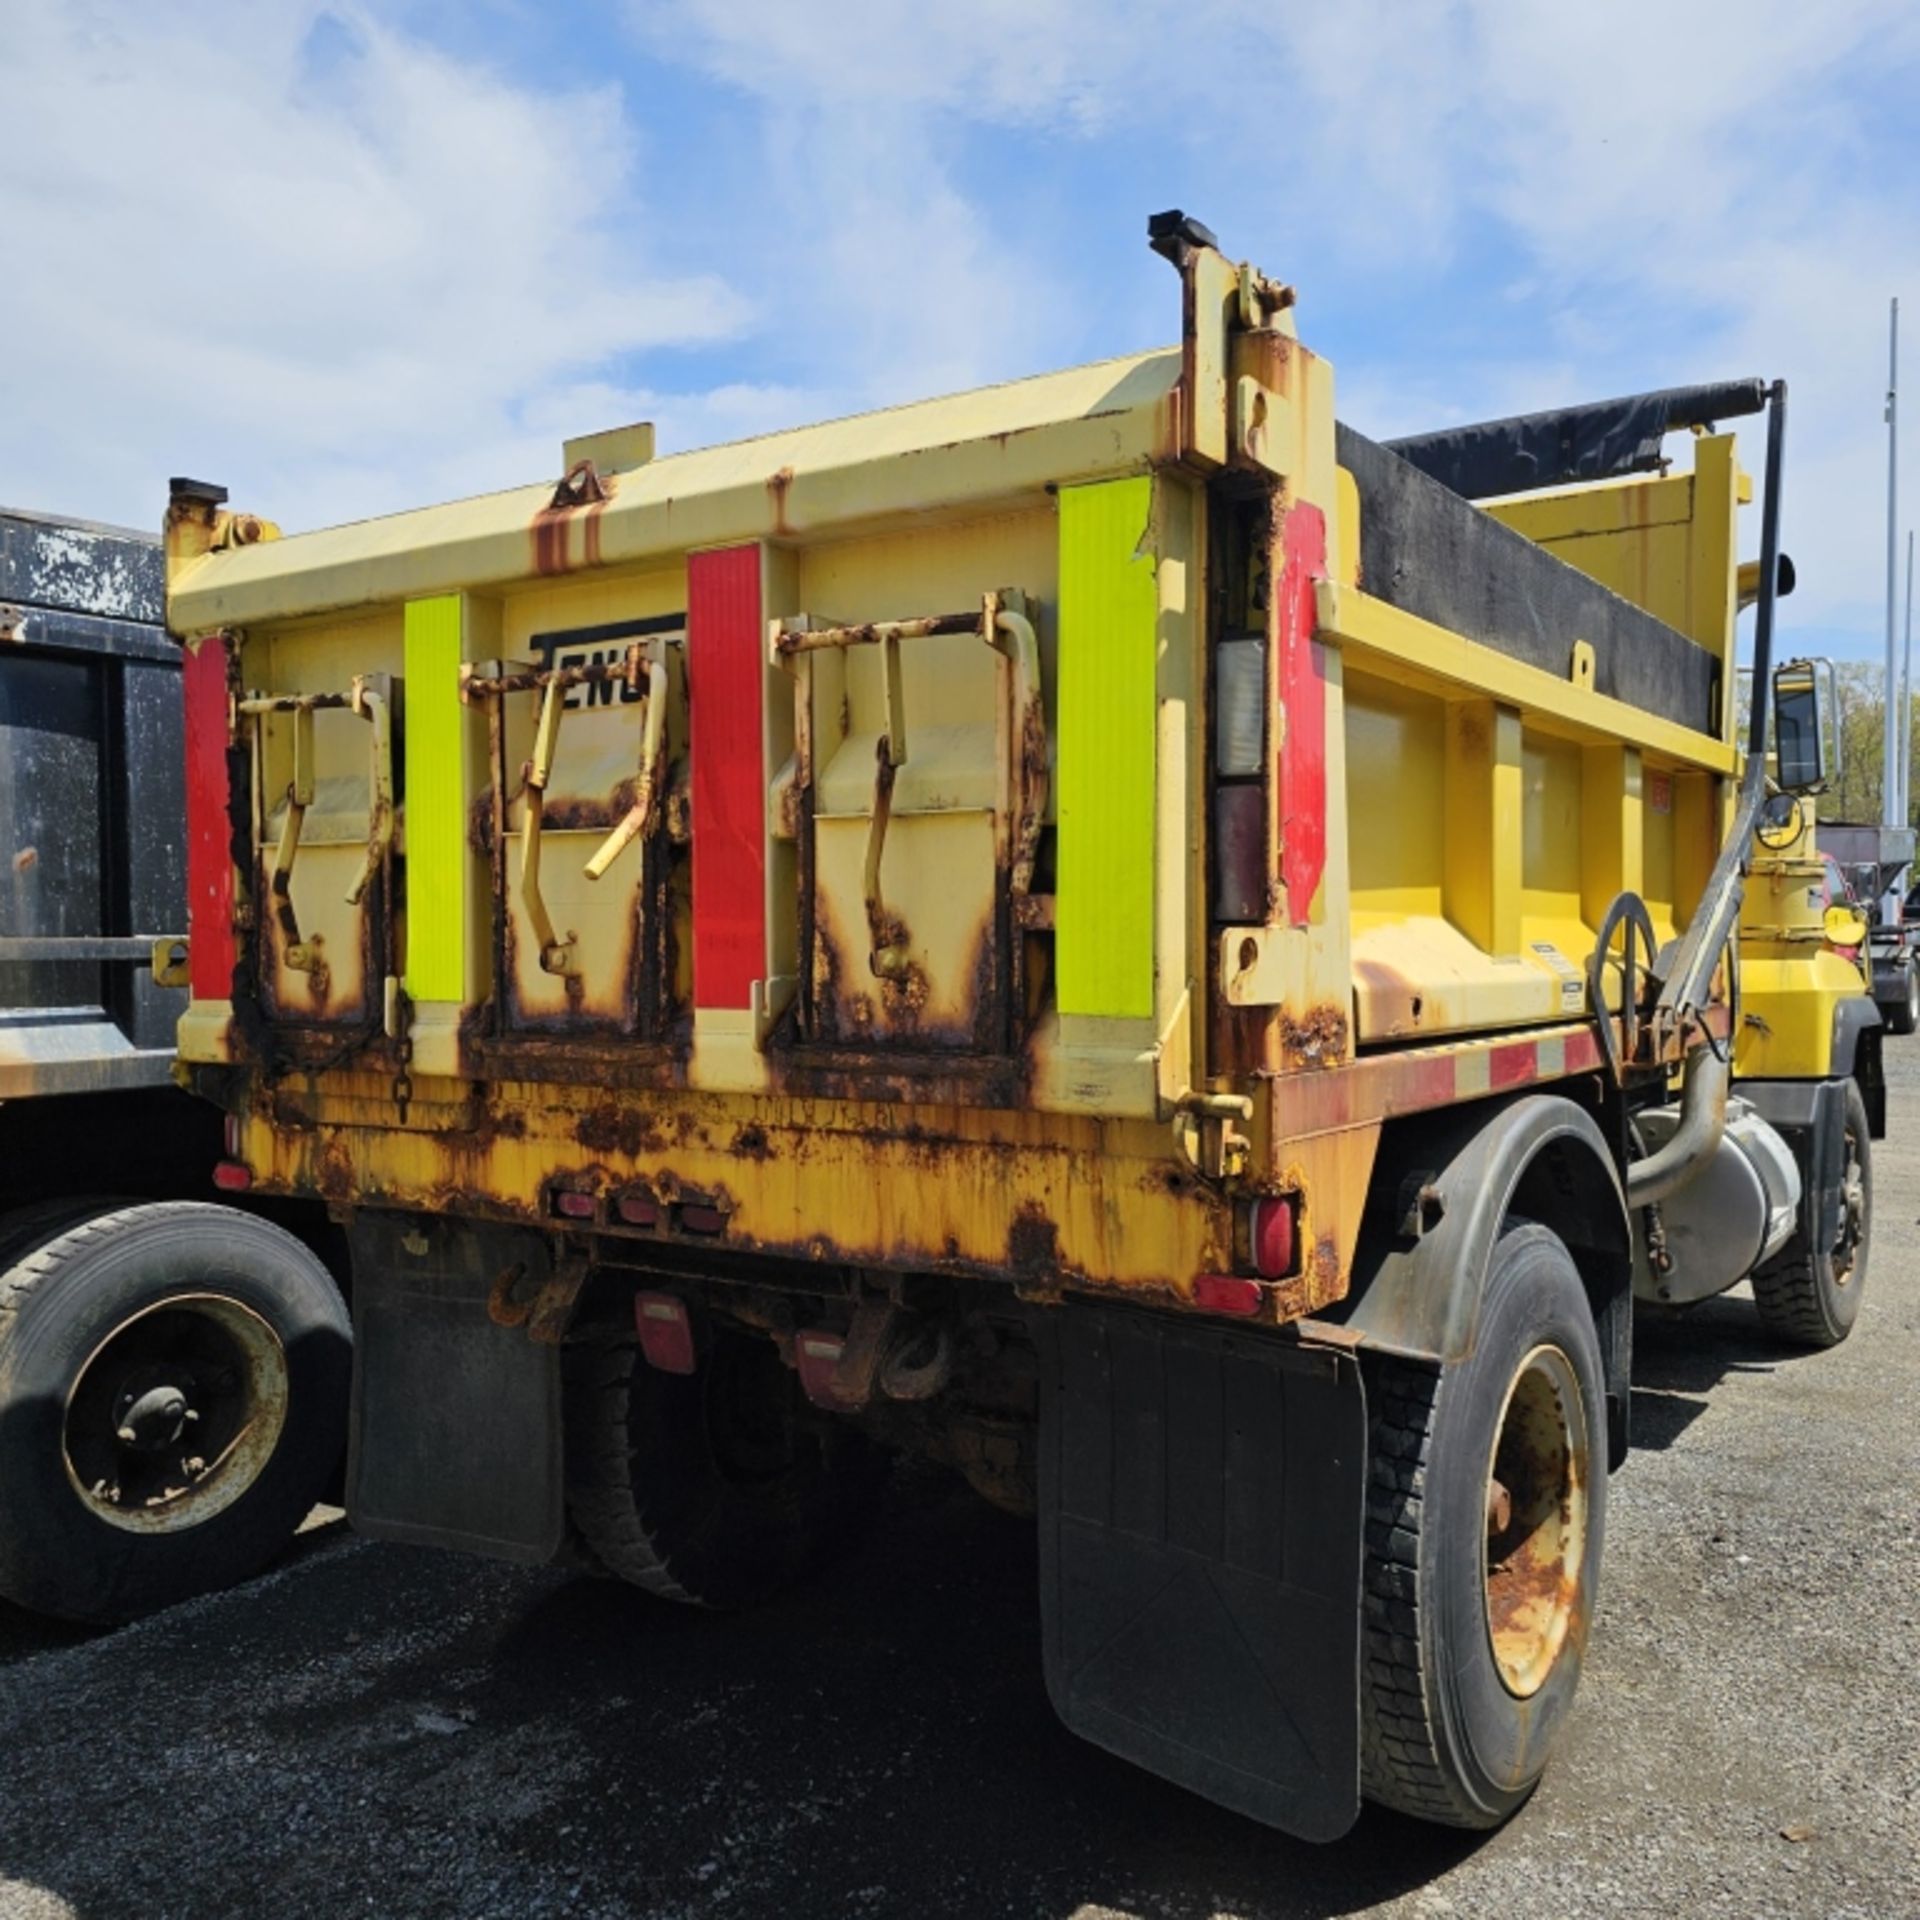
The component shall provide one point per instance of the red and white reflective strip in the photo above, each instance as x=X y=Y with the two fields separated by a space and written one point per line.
x=1383 y=1085
x=726 y=677
x=210 y=947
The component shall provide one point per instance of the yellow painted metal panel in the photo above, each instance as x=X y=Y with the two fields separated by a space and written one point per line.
x=1550 y=872
x=1396 y=809
x=968 y=451
x=1108 y=614
x=1429 y=655
x=1485 y=816
x=437 y=858
x=1612 y=838
x=1659 y=801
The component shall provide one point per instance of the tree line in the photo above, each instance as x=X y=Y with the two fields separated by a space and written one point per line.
x=1861 y=720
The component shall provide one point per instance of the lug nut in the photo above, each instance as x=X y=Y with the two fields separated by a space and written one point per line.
x=1499 y=1507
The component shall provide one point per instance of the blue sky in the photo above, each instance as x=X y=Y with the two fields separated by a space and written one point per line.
x=347 y=258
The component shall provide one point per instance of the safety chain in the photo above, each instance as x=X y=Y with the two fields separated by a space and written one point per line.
x=402 y=1031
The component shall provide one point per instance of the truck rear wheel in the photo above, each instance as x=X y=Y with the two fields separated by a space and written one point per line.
x=173 y=1396
x=1486 y=1510
x=1811 y=1295
x=718 y=1487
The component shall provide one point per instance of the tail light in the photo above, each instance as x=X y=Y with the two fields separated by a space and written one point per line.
x=816 y=1353
x=666 y=1332
x=232 y=1176
x=1240 y=708
x=637 y=1210
x=572 y=1204
x=1240 y=794
x=1271 y=1236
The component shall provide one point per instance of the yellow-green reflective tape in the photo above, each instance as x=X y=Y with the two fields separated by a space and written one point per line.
x=436 y=802
x=1103 y=913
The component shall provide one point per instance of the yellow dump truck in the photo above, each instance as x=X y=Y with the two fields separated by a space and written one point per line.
x=1109 y=931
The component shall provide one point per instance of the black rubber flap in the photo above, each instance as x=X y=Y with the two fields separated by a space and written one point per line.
x=1428 y=552
x=456 y=1435
x=1201 y=1493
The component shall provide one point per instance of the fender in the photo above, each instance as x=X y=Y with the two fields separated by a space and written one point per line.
x=1811 y=1116
x=1857 y=1032
x=1442 y=1189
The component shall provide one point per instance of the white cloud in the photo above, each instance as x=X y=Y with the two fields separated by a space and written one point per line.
x=295 y=251
x=1691 y=190
x=303 y=252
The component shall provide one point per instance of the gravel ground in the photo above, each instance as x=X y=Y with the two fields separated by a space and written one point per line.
x=375 y=1730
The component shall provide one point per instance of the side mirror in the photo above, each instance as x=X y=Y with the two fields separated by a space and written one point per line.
x=1844 y=926
x=1800 y=718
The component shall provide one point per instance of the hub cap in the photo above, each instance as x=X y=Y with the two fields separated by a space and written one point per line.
x=1536 y=1520
x=175 y=1413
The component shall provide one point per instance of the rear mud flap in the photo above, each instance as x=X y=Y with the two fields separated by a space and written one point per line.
x=456 y=1434
x=1201 y=1498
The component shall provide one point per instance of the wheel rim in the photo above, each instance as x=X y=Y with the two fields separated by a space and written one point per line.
x=1537 y=1483
x=1853 y=1213
x=175 y=1413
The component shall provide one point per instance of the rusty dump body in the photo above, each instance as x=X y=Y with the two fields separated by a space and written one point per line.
x=1003 y=838
x=1040 y=916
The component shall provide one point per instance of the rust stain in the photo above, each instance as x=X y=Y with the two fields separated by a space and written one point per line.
x=777 y=485
x=333 y=1170
x=480 y=822
x=550 y=526
x=319 y=975
x=1317 y=1038
x=25 y=858
x=510 y=1299
x=1033 y=1244
x=619 y=1127
x=1327 y=1282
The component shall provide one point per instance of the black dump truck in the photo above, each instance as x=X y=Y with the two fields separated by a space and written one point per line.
x=173 y=1372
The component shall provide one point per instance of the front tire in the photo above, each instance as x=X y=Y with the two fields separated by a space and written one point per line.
x=173 y=1396
x=1486 y=1515
x=716 y=1488
x=1811 y=1295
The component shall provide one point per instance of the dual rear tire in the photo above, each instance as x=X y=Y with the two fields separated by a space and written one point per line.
x=717 y=1488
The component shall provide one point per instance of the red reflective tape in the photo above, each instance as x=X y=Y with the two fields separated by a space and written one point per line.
x=726 y=681
x=1227 y=1293
x=1302 y=678
x=1583 y=1051
x=1426 y=1083
x=1512 y=1066
x=209 y=830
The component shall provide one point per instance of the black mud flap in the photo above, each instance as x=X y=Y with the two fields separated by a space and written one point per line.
x=1201 y=1498
x=456 y=1422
